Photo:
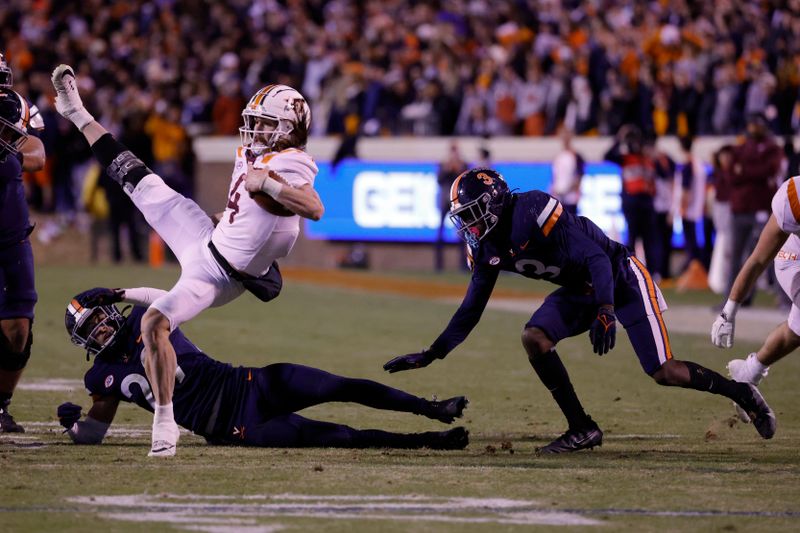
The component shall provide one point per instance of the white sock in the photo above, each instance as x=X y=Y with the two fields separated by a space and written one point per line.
x=755 y=364
x=164 y=415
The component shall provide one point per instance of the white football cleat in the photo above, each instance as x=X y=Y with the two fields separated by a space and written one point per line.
x=68 y=101
x=744 y=371
x=164 y=441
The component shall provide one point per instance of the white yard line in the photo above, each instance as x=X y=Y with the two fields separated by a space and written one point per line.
x=51 y=384
x=201 y=512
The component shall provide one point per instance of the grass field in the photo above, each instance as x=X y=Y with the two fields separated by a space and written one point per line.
x=670 y=461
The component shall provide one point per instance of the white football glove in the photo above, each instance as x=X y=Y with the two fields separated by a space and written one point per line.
x=68 y=101
x=722 y=331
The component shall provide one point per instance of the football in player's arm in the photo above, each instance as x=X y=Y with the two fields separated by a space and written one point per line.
x=225 y=404
x=531 y=234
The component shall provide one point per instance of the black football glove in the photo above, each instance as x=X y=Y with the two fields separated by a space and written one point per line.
x=100 y=296
x=603 y=332
x=68 y=414
x=410 y=361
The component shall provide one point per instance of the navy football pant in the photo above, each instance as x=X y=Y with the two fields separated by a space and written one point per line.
x=17 y=292
x=281 y=389
x=638 y=306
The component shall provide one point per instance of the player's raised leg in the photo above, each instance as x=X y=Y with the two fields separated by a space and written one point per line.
x=177 y=219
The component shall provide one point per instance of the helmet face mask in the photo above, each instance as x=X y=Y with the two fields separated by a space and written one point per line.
x=93 y=328
x=6 y=76
x=12 y=137
x=477 y=199
x=285 y=109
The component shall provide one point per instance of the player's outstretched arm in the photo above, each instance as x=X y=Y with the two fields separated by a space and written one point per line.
x=769 y=243
x=303 y=201
x=93 y=428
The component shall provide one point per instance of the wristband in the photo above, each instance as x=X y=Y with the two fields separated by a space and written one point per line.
x=730 y=309
x=272 y=187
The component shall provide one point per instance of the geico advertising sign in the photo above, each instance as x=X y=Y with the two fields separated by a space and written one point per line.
x=391 y=201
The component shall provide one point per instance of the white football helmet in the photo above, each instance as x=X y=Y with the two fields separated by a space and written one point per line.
x=280 y=104
x=6 y=76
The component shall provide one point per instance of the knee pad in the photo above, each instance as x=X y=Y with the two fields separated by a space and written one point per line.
x=120 y=163
x=13 y=361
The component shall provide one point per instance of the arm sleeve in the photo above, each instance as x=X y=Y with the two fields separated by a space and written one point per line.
x=88 y=431
x=143 y=296
x=469 y=313
x=585 y=250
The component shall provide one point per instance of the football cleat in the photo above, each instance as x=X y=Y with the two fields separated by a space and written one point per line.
x=452 y=439
x=165 y=440
x=68 y=102
x=757 y=410
x=573 y=440
x=448 y=410
x=743 y=370
x=8 y=424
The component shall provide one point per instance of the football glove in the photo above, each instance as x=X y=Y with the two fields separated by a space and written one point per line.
x=100 y=296
x=603 y=331
x=410 y=361
x=722 y=331
x=68 y=414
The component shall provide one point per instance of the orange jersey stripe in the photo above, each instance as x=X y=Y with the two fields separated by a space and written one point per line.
x=548 y=226
x=651 y=293
x=794 y=200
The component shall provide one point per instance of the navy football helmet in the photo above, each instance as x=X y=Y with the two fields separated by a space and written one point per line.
x=11 y=135
x=477 y=198
x=93 y=328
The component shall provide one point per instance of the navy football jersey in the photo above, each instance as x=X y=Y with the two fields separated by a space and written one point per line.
x=207 y=392
x=14 y=222
x=538 y=240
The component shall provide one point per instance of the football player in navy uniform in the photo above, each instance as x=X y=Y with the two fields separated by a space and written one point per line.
x=18 y=151
x=531 y=234
x=225 y=404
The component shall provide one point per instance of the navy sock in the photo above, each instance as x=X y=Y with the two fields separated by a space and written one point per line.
x=554 y=376
x=703 y=379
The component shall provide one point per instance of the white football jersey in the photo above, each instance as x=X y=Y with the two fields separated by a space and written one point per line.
x=786 y=205
x=248 y=236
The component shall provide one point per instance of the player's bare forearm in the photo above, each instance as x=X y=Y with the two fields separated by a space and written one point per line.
x=216 y=217
x=769 y=244
x=303 y=201
x=103 y=409
x=33 y=155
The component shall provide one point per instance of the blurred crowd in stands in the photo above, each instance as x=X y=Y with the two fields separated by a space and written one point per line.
x=163 y=71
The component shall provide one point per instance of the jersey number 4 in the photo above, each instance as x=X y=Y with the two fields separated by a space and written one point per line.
x=233 y=199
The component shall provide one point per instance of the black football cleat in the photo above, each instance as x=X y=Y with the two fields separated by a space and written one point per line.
x=760 y=413
x=7 y=423
x=452 y=439
x=448 y=410
x=573 y=440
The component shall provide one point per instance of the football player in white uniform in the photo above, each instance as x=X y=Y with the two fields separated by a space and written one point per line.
x=220 y=256
x=779 y=241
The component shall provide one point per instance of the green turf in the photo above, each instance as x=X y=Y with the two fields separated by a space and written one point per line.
x=665 y=449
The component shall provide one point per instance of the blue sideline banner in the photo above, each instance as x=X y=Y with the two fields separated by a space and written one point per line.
x=385 y=201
